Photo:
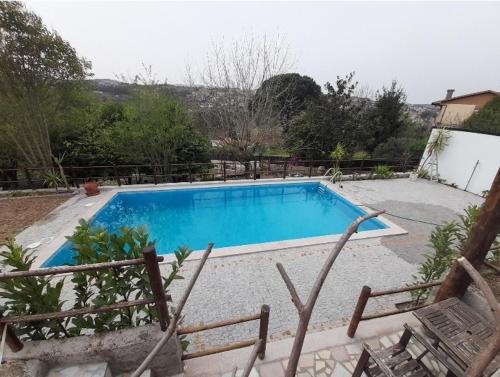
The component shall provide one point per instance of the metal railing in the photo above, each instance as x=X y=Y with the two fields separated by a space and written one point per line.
x=150 y=261
x=223 y=170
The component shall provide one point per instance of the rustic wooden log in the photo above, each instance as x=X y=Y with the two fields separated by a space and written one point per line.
x=486 y=356
x=358 y=311
x=263 y=328
x=175 y=318
x=406 y=289
x=156 y=283
x=215 y=325
x=392 y=312
x=211 y=351
x=75 y=312
x=253 y=356
x=73 y=269
x=305 y=314
x=482 y=234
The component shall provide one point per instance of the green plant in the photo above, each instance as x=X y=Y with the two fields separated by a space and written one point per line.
x=52 y=179
x=338 y=153
x=437 y=143
x=38 y=295
x=30 y=295
x=360 y=155
x=382 y=171
x=422 y=173
x=448 y=242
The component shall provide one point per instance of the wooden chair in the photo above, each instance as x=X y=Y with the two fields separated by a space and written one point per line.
x=396 y=361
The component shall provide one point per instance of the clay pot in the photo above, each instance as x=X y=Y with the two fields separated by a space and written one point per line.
x=91 y=188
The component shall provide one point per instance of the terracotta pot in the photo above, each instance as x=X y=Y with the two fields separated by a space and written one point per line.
x=91 y=188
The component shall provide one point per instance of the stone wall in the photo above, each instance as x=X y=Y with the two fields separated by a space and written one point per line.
x=123 y=350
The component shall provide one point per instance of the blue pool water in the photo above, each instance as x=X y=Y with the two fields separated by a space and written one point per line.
x=227 y=216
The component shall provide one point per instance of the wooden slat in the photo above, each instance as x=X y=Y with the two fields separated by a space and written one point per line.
x=75 y=312
x=215 y=325
x=211 y=351
x=73 y=269
x=391 y=312
x=405 y=289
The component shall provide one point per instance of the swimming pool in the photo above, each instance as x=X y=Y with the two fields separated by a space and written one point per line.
x=227 y=215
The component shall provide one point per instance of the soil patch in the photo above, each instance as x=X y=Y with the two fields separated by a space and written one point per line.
x=18 y=213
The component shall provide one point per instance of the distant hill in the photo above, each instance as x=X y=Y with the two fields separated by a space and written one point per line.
x=107 y=89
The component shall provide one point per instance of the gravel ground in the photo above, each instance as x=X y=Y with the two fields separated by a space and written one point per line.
x=239 y=285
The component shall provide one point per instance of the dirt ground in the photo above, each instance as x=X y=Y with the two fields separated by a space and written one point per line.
x=18 y=213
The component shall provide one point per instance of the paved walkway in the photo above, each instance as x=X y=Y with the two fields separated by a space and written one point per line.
x=325 y=354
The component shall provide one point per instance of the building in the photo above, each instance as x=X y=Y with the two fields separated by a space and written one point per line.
x=455 y=110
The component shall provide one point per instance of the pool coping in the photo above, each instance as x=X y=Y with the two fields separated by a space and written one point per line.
x=45 y=251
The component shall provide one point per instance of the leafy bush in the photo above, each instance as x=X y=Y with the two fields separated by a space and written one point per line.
x=37 y=295
x=360 y=155
x=382 y=171
x=487 y=119
x=448 y=242
x=30 y=295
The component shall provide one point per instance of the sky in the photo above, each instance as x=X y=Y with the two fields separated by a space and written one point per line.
x=427 y=47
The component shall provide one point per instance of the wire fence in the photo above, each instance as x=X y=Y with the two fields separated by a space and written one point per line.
x=222 y=170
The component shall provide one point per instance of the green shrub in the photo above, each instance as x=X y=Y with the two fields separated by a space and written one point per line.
x=360 y=155
x=39 y=295
x=30 y=295
x=382 y=171
x=448 y=242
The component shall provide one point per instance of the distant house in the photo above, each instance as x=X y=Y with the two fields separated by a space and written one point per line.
x=455 y=110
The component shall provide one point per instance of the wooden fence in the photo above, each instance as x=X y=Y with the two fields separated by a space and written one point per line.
x=366 y=293
x=159 y=298
x=259 y=343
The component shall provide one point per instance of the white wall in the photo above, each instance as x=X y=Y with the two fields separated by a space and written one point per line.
x=464 y=149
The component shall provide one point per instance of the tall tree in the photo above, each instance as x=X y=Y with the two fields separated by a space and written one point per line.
x=326 y=122
x=487 y=119
x=35 y=64
x=385 y=118
x=291 y=94
x=240 y=123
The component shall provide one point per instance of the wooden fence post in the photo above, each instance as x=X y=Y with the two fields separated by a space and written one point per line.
x=358 y=311
x=224 y=170
x=284 y=169
x=11 y=338
x=153 y=269
x=263 y=328
x=254 y=170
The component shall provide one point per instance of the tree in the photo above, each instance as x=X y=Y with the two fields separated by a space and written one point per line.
x=160 y=129
x=325 y=123
x=36 y=67
x=240 y=122
x=291 y=94
x=385 y=118
x=487 y=119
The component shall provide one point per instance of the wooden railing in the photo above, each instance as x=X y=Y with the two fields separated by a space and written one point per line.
x=259 y=343
x=150 y=261
x=366 y=293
